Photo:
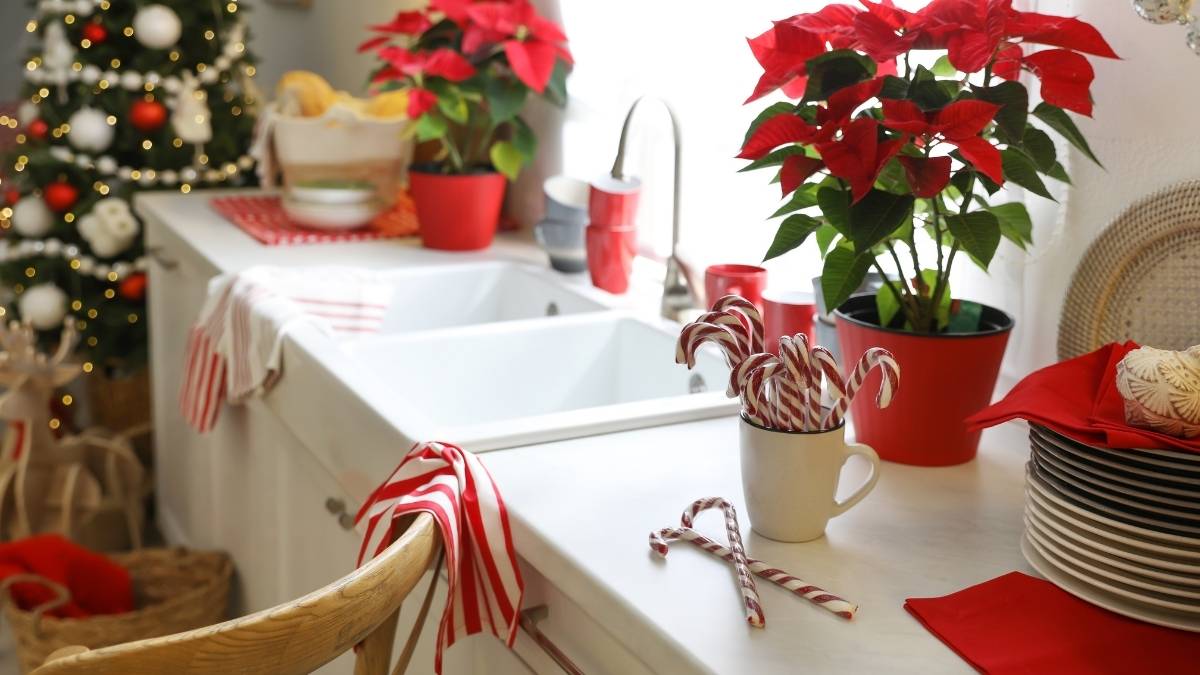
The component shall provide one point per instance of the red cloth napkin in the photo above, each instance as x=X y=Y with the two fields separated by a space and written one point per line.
x=1020 y=624
x=97 y=584
x=1078 y=398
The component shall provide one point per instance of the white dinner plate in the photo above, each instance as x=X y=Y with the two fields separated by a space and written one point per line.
x=1087 y=498
x=1186 y=464
x=1112 y=601
x=1159 y=484
x=1185 y=585
x=1120 y=492
x=1112 y=542
x=1047 y=491
x=1086 y=574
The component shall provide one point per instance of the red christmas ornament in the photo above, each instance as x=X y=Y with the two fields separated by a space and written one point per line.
x=95 y=33
x=12 y=196
x=60 y=196
x=147 y=116
x=38 y=129
x=133 y=287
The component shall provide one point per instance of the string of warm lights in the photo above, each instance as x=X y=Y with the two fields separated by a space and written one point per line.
x=132 y=80
x=107 y=166
x=77 y=260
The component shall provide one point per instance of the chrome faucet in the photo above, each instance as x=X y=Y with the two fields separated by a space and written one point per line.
x=677 y=296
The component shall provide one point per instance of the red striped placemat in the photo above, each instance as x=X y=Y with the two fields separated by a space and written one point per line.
x=263 y=217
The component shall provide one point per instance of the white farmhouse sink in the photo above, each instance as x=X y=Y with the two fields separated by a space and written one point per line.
x=512 y=384
x=477 y=293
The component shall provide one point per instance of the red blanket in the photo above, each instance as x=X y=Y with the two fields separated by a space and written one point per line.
x=97 y=585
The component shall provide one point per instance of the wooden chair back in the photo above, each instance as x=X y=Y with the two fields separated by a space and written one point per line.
x=291 y=639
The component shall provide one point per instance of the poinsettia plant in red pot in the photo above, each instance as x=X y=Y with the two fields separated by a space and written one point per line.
x=890 y=144
x=468 y=68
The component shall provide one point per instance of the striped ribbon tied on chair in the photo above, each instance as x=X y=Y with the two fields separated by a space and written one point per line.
x=485 y=585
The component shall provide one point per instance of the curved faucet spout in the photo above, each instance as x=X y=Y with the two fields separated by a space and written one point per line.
x=677 y=294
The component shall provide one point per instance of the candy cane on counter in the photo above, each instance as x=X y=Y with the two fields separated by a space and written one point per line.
x=875 y=357
x=762 y=570
x=753 y=606
x=747 y=309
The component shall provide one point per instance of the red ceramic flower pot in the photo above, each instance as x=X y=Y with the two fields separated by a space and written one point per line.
x=457 y=213
x=944 y=378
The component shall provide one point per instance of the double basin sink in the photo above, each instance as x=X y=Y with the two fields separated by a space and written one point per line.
x=495 y=355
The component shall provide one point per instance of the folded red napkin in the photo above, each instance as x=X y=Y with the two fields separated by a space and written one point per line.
x=1078 y=398
x=1020 y=624
x=97 y=585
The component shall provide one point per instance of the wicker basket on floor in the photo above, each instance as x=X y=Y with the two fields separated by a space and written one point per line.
x=174 y=590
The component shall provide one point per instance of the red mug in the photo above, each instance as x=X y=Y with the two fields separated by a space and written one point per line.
x=610 y=252
x=747 y=281
x=787 y=313
x=613 y=202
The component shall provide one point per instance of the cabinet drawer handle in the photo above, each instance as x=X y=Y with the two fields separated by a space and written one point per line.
x=529 y=623
x=335 y=506
x=346 y=521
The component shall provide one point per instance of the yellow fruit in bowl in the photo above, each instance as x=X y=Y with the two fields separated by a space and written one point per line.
x=304 y=93
x=389 y=105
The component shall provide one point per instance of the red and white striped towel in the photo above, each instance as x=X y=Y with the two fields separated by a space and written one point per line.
x=454 y=487
x=235 y=346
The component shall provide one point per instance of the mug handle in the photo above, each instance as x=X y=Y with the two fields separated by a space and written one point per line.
x=869 y=484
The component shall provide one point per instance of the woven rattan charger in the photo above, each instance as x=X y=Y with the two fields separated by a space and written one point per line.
x=1140 y=279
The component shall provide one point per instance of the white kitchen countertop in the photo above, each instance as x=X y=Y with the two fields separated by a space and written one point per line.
x=582 y=510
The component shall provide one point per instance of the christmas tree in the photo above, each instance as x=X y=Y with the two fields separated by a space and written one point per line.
x=120 y=96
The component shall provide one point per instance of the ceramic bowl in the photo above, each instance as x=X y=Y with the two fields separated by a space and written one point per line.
x=333 y=193
x=331 y=216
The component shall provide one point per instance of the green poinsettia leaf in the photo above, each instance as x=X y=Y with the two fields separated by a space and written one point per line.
x=835 y=206
x=834 y=70
x=804 y=197
x=430 y=127
x=1020 y=169
x=505 y=98
x=507 y=159
x=843 y=273
x=1015 y=223
x=887 y=303
x=774 y=158
x=978 y=233
x=876 y=216
x=792 y=232
x=1057 y=119
x=770 y=111
x=1040 y=148
x=1013 y=99
x=825 y=236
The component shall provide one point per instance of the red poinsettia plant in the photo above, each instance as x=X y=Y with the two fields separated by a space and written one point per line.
x=468 y=68
x=888 y=150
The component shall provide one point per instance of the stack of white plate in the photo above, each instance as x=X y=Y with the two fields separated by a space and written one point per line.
x=1118 y=528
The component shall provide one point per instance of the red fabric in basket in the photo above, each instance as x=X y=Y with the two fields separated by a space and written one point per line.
x=97 y=584
x=1016 y=623
x=263 y=217
x=1078 y=398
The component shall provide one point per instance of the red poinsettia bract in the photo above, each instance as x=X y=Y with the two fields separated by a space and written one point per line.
x=532 y=43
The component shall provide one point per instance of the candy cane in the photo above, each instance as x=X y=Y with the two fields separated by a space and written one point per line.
x=757 y=395
x=785 y=396
x=754 y=612
x=762 y=570
x=747 y=309
x=741 y=372
x=875 y=357
x=823 y=360
x=794 y=354
x=734 y=323
x=696 y=334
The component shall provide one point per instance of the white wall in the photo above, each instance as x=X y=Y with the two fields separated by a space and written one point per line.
x=13 y=17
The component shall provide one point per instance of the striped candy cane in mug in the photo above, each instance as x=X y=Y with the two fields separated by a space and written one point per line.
x=696 y=334
x=824 y=364
x=754 y=612
x=744 y=307
x=793 y=351
x=875 y=357
x=734 y=323
x=819 y=597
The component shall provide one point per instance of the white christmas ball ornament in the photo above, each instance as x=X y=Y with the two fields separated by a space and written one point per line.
x=27 y=112
x=90 y=130
x=132 y=80
x=31 y=217
x=106 y=165
x=157 y=26
x=44 y=305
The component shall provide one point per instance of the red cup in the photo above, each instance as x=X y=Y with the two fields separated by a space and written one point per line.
x=610 y=252
x=613 y=202
x=747 y=281
x=787 y=313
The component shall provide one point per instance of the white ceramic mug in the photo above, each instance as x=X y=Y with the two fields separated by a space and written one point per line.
x=790 y=479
